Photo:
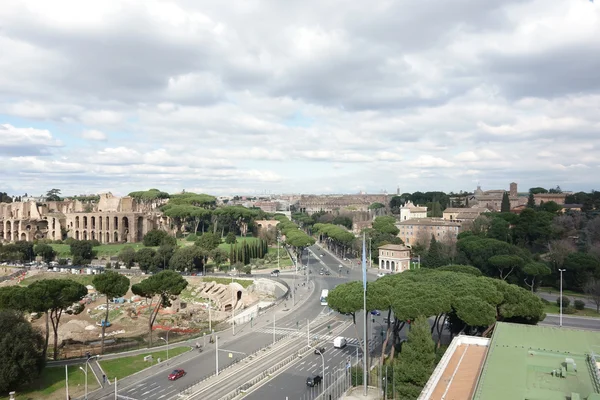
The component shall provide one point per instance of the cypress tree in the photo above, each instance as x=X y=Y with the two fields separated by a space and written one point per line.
x=505 y=206
x=231 y=259
x=531 y=201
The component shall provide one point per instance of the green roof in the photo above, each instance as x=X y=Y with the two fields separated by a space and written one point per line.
x=521 y=359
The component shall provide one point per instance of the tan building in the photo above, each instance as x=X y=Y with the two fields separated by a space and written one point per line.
x=463 y=214
x=410 y=211
x=492 y=199
x=558 y=198
x=110 y=220
x=394 y=258
x=311 y=204
x=266 y=224
x=420 y=230
x=267 y=206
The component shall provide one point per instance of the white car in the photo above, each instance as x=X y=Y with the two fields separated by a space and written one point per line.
x=379 y=275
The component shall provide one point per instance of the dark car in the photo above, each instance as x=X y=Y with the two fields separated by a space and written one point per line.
x=176 y=374
x=320 y=350
x=314 y=381
x=376 y=312
x=327 y=273
x=275 y=272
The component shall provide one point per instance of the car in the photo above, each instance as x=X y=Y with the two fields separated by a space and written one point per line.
x=322 y=255
x=321 y=272
x=327 y=273
x=275 y=272
x=376 y=312
x=339 y=342
x=320 y=350
x=379 y=275
x=176 y=374
x=313 y=381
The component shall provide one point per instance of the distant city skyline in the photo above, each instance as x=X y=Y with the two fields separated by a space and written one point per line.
x=298 y=97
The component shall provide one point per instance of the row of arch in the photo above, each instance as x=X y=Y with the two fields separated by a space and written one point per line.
x=102 y=237
x=387 y=265
x=82 y=222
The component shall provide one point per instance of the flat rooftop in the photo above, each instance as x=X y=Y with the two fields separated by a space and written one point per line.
x=458 y=378
x=539 y=363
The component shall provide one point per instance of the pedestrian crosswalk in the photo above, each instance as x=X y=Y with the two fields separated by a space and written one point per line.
x=352 y=342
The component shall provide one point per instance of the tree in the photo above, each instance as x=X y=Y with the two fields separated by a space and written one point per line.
x=551 y=207
x=156 y=237
x=505 y=205
x=499 y=229
x=345 y=221
x=386 y=225
x=163 y=255
x=435 y=257
x=127 y=256
x=111 y=284
x=580 y=268
x=506 y=264
x=161 y=288
x=535 y=270
x=45 y=251
x=416 y=363
x=21 y=351
x=82 y=251
x=465 y=269
x=219 y=257
x=531 y=201
x=395 y=203
x=592 y=288
x=147 y=259
x=54 y=296
x=208 y=241
x=230 y=238
x=53 y=195
x=187 y=259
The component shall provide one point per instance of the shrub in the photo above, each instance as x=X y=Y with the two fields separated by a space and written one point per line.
x=565 y=301
x=247 y=269
x=546 y=302
x=191 y=237
x=95 y=242
x=69 y=241
x=579 y=304
x=569 y=310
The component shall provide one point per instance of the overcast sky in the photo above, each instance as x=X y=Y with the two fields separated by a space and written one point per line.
x=243 y=97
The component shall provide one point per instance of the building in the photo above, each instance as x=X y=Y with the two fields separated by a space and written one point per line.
x=492 y=199
x=394 y=258
x=267 y=206
x=410 y=211
x=558 y=198
x=311 y=204
x=463 y=214
x=266 y=224
x=110 y=220
x=519 y=362
x=420 y=230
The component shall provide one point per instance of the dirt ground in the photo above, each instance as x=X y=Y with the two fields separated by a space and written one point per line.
x=130 y=319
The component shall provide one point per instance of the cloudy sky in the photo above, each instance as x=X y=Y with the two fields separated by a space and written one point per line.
x=248 y=96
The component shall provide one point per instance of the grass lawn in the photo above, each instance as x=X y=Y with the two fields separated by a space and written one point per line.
x=51 y=384
x=551 y=290
x=240 y=239
x=284 y=259
x=63 y=250
x=84 y=279
x=587 y=312
x=126 y=366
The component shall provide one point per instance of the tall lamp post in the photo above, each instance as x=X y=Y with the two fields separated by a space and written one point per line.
x=561 y=296
x=167 y=341
x=323 y=370
x=85 y=372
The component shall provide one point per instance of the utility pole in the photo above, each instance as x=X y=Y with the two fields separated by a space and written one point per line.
x=561 y=296
x=308 y=332
x=366 y=319
x=273 y=326
x=278 y=267
x=217 y=354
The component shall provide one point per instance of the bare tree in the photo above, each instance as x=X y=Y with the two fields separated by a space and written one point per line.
x=593 y=230
x=592 y=288
x=558 y=250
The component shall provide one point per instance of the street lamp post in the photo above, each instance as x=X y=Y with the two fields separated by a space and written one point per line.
x=85 y=372
x=167 y=341
x=561 y=296
x=323 y=359
x=232 y=308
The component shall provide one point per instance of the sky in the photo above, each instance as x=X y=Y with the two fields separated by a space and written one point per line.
x=311 y=96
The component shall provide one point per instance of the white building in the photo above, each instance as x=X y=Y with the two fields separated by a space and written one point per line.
x=394 y=258
x=410 y=211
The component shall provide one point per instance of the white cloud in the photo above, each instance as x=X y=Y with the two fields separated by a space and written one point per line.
x=301 y=96
x=92 y=134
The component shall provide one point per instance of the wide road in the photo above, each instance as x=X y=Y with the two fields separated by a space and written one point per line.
x=156 y=386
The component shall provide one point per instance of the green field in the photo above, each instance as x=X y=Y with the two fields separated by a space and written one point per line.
x=284 y=259
x=240 y=239
x=586 y=312
x=51 y=384
x=84 y=279
x=122 y=367
x=63 y=250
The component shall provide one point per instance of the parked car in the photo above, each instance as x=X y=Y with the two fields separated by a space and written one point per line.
x=327 y=273
x=376 y=312
x=176 y=374
x=379 y=275
x=320 y=350
x=314 y=380
x=275 y=272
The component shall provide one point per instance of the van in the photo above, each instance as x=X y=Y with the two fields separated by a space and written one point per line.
x=339 y=342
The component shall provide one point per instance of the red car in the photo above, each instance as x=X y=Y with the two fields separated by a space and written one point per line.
x=176 y=374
